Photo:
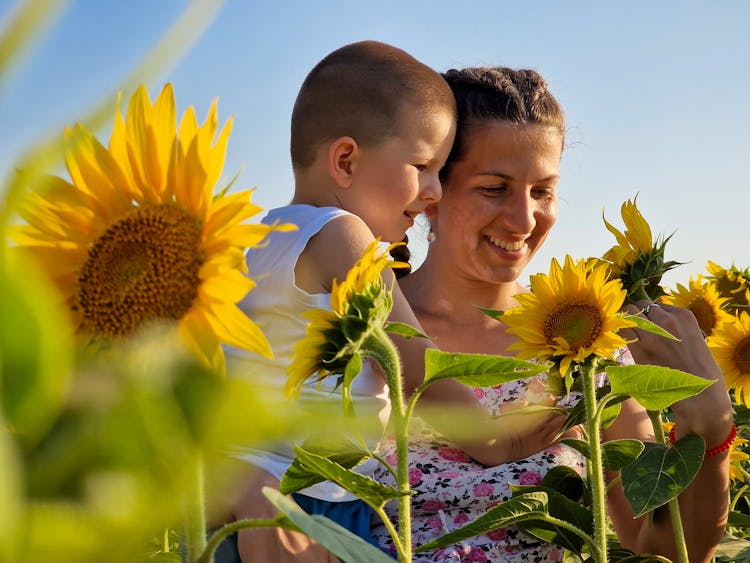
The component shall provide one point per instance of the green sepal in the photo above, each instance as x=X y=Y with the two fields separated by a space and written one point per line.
x=404 y=330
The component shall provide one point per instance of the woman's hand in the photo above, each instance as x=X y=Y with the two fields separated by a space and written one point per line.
x=708 y=414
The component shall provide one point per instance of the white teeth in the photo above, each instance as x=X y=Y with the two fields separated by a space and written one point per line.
x=517 y=245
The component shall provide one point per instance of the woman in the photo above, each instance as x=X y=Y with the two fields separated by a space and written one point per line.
x=499 y=204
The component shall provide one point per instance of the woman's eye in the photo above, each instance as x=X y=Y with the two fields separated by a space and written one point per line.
x=543 y=193
x=492 y=190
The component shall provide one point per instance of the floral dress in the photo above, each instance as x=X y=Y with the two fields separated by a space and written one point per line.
x=452 y=489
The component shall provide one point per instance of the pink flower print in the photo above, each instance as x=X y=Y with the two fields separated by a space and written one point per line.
x=478 y=393
x=433 y=505
x=415 y=476
x=530 y=478
x=450 y=474
x=435 y=523
x=452 y=454
x=461 y=519
x=477 y=555
x=498 y=534
x=483 y=490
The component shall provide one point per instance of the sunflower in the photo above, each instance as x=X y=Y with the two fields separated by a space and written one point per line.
x=733 y=284
x=136 y=237
x=704 y=302
x=636 y=259
x=359 y=305
x=737 y=459
x=570 y=315
x=730 y=346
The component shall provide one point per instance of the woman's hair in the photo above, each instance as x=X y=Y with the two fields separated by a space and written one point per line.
x=363 y=90
x=486 y=94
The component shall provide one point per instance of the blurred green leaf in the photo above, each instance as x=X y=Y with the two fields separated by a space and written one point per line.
x=35 y=352
x=565 y=480
x=655 y=387
x=736 y=550
x=660 y=473
x=477 y=370
x=336 y=539
x=11 y=487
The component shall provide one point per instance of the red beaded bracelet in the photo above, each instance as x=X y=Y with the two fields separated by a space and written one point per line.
x=718 y=449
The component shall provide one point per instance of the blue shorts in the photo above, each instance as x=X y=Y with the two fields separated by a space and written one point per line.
x=354 y=515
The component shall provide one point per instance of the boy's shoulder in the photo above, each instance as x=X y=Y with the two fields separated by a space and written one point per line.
x=332 y=252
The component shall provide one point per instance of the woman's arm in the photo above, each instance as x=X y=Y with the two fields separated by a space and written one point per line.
x=704 y=504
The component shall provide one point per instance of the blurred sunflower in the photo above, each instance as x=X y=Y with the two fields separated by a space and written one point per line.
x=570 y=315
x=733 y=284
x=636 y=259
x=730 y=346
x=137 y=237
x=704 y=302
x=359 y=305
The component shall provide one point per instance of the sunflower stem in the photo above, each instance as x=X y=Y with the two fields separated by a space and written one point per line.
x=195 y=514
x=596 y=474
x=674 y=504
x=380 y=347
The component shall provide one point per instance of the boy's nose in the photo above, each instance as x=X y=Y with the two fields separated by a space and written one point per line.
x=432 y=190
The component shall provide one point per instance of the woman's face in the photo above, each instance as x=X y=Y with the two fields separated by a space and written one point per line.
x=500 y=200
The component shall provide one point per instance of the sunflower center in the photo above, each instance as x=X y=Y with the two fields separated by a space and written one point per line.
x=578 y=323
x=741 y=356
x=143 y=268
x=705 y=315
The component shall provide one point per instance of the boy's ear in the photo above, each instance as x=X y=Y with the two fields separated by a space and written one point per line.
x=342 y=160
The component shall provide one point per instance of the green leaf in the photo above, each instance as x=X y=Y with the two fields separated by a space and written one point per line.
x=563 y=508
x=660 y=473
x=565 y=480
x=477 y=370
x=647 y=325
x=513 y=511
x=336 y=539
x=738 y=519
x=365 y=488
x=655 y=387
x=736 y=550
x=299 y=476
x=403 y=329
x=11 y=489
x=494 y=313
x=616 y=453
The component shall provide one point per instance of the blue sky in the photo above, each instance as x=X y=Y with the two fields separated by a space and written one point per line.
x=656 y=94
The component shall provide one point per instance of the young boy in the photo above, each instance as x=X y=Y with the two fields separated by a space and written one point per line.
x=371 y=128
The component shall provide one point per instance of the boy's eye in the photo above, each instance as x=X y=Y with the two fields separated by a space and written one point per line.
x=420 y=167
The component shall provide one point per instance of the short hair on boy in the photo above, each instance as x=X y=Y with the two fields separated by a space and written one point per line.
x=359 y=91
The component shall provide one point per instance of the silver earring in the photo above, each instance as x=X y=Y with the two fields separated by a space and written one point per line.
x=431 y=237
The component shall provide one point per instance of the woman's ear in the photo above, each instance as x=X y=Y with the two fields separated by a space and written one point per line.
x=431 y=212
x=342 y=160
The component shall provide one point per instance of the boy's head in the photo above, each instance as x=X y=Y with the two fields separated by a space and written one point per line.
x=366 y=91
